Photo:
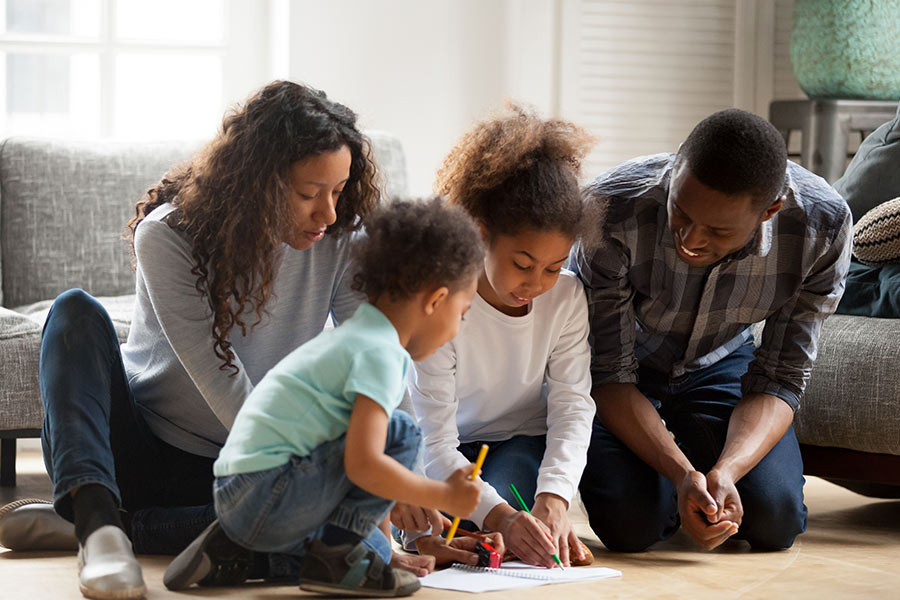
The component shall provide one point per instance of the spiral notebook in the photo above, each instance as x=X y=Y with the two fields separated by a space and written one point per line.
x=466 y=578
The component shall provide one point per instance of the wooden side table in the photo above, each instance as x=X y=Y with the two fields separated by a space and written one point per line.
x=825 y=127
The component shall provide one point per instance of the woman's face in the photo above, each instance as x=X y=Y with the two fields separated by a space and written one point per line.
x=316 y=184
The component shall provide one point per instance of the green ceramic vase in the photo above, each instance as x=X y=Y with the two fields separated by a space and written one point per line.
x=847 y=48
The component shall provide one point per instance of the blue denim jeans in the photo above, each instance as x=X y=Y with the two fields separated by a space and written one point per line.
x=516 y=460
x=93 y=433
x=281 y=509
x=630 y=506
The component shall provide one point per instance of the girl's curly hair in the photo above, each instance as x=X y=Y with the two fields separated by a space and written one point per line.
x=516 y=171
x=233 y=197
x=410 y=245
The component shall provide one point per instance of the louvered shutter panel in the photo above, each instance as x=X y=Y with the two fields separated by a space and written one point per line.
x=785 y=86
x=640 y=74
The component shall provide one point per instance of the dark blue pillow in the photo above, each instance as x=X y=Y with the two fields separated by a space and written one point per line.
x=873 y=175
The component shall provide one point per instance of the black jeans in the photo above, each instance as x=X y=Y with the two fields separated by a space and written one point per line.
x=94 y=433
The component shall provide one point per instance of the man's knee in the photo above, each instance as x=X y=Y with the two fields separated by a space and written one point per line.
x=773 y=522
x=630 y=518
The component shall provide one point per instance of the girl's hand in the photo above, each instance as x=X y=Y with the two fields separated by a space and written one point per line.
x=529 y=539
x=460 y=549
x=415 y=518
x=462 y=494
x=552 y=511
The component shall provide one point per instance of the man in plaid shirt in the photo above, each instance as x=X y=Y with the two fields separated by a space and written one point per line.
x=693 y=422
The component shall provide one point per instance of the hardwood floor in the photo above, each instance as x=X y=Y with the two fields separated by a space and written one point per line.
x=851 y=550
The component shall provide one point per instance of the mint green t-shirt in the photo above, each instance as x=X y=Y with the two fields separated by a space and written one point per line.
x=306 y=399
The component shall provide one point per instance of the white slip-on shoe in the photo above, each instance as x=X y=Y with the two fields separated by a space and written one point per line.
x=107 y=568
x=32 y=525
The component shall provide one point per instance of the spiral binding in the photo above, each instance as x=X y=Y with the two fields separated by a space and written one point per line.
x=502 y=571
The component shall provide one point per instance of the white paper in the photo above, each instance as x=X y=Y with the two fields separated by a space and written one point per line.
x=511 y=575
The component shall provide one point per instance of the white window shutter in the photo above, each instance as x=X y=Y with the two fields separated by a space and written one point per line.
x=640 y=74
x=785 y=84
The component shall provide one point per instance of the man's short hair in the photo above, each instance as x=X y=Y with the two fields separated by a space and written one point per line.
x=737 y=152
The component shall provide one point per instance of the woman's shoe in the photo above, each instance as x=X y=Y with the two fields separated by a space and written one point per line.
x=107 y=568
x=32 y=525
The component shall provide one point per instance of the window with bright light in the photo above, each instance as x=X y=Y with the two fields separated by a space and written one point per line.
x=132 y=69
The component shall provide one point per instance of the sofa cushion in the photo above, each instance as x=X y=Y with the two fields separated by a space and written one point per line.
x=119 y=308
x=20 y=342
x=871 y=291
x=853 y=396
x=873 y=177
x=20 y=345
x=876 y=236
x=64 y=209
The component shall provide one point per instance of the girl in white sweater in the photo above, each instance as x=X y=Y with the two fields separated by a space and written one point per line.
x=517 y=375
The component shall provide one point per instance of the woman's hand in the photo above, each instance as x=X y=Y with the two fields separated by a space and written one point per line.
x=552 y=511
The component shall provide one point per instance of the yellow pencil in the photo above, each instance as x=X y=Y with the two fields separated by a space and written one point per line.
x=478 y=462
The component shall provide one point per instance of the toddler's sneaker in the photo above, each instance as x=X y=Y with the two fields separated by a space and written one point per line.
x=352 y=570
x=211 y=559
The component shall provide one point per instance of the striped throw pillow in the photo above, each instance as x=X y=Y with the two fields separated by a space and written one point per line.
x=876 y=237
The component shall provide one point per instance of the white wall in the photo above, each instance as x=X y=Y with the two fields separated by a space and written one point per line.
x=425 y=70
x=422 y=69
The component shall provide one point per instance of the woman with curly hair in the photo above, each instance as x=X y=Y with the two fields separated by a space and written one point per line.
x=517 y=375
x=241 y=255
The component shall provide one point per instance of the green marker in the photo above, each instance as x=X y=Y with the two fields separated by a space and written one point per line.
x=525 y=508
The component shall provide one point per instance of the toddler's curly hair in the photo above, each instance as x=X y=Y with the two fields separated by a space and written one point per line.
x=517 y=171
x=410 y=245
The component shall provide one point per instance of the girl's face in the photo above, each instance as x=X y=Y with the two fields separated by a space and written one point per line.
x=316 y=184
x=518 y=268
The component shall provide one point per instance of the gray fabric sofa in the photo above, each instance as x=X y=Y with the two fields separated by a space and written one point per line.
x=63 y=210
x=851 y=422
x=848 y=423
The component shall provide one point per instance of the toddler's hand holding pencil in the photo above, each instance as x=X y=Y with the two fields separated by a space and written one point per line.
x=473 y=474
x=462 y=493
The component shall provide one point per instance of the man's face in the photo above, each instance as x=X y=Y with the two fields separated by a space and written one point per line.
x=708 y=225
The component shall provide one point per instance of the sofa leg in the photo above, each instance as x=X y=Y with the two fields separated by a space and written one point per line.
x=8 y=462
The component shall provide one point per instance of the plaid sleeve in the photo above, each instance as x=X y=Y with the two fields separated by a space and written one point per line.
x=790 y=339
x=604 y=273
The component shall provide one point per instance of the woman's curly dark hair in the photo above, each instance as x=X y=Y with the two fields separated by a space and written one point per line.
x=233 y=196
x=413 y=244
x=518 y=171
